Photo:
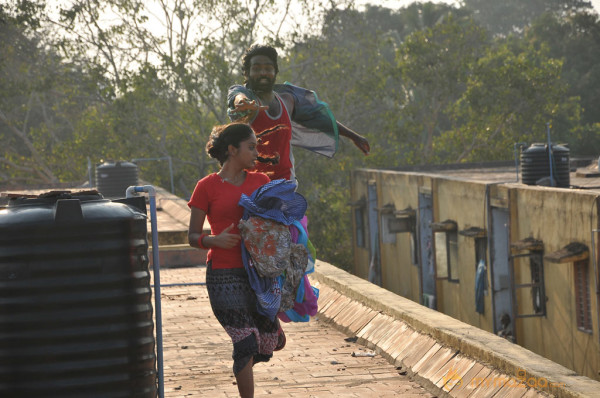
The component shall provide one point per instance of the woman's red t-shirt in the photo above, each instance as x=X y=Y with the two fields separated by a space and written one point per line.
x=219 y=200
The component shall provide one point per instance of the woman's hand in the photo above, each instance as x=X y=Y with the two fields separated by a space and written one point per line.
x=224 y=240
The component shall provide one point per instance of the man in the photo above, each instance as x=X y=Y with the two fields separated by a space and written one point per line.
x=295 y=115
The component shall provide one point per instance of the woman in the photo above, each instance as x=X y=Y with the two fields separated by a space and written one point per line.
x=233 y=301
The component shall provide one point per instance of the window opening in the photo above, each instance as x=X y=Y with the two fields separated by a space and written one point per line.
x=359 y=216
x=441 y=255
x=537 y=276
x=413 y=249
x=360 y=233
x=480 y=251
x=530 y=297
x=479 y=236
x=401 y=221
x=577 y=253
x=387 y=220
x=452 y=239
x=446 y=250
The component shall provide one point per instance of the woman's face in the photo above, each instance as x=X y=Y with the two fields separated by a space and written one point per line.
x=247 y=153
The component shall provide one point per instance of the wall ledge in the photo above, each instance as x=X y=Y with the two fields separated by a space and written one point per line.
x=464 y=341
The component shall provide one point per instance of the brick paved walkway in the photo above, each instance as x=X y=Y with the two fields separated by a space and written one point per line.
x=317 y=360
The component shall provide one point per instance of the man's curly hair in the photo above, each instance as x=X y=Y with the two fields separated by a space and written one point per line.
x=259 y=49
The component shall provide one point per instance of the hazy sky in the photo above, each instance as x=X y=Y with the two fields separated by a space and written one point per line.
x=395 y=4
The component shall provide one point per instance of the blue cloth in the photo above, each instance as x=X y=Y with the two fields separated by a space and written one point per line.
x=268 y=292
x=313 y=125
x=480 y=282
x=276 y=200
x=292 y=314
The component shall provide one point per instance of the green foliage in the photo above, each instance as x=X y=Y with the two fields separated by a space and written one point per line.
x=42 y=97
x=509 y=98
x=434 y=65
x=324 y=182
x=575 y=39
x=513 y=16
x=147 y=122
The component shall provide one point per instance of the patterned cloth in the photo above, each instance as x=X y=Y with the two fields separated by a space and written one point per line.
x=306 y=301
x=292 y=276
x=234 y=304
x=269 y=244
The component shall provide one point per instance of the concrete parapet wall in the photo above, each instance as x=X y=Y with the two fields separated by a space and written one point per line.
x=178 y=255
x=448 y=355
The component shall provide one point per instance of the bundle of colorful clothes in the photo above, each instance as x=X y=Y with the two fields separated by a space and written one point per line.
x=277 y=253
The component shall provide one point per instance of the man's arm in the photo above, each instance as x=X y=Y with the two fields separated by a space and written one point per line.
x=305 y=102
x=358 y=140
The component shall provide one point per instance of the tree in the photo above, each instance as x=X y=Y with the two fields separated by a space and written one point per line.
x=41 y=96
x=350 y=63
x=147 y=122
x=191 y=61
x=23 y=13
x=513 y=16
x=347 y=64
x=511 y=93
x=196 y=48
x=434 y=65
x=576 y=40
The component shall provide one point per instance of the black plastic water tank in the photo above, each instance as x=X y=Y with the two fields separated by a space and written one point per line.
x=113 y=178
x=75 y=298
x=535 y=165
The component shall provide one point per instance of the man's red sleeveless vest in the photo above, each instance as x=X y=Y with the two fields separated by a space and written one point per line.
x=277 y=142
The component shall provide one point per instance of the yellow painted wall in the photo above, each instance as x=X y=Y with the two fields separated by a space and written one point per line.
x=557 y=217
x=399 y=274
x=464 y=203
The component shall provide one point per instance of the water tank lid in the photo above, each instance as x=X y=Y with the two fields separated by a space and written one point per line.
x=542 y=147
x=119 y=163
x=50 y=197
x=85 y=206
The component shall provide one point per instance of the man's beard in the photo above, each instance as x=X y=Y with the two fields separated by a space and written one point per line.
x=262 y=84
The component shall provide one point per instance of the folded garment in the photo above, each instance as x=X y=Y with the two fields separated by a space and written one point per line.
x=269 y=244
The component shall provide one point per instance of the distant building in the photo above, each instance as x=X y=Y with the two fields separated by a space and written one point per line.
x=475 y=243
